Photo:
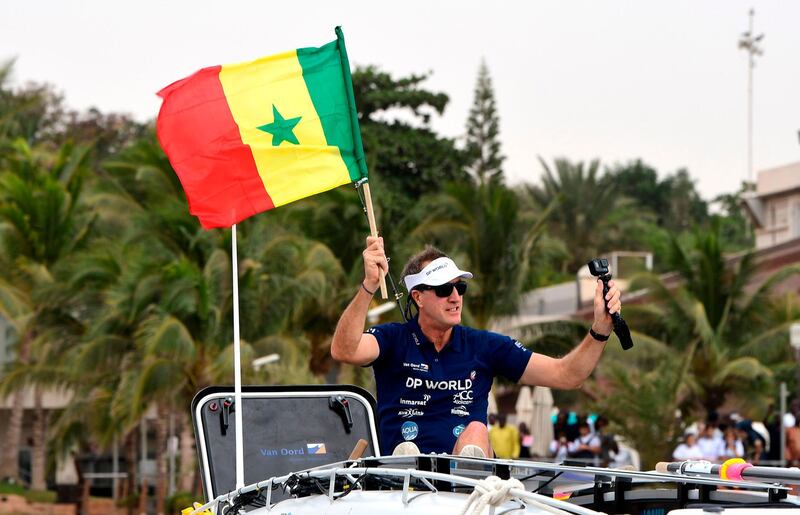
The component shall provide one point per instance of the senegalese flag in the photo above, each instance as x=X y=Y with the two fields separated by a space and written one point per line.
x=249 y=137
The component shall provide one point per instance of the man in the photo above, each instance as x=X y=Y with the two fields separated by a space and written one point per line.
x=688 y=449
x=433 y=375
x=587 y=445
x=709 y=443
x=504 y=439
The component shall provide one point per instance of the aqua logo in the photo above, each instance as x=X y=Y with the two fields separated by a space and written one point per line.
x=458 y=430
x=409 y=430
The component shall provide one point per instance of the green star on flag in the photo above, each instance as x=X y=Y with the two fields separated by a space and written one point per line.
x=281 y=128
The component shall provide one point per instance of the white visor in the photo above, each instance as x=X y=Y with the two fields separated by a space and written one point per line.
x=439 y=271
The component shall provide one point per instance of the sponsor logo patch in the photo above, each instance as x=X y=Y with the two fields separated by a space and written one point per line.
x=316 y=448
x=420 y=367
x=410 y=412
x=461 y=384
x=432 y=270
x=461 y=411
x=409 y=430
x=464 y=397
x=458 y=430
x=472 y=375
x=413 y=402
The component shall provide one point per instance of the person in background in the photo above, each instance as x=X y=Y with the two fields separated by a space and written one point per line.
x=525 y=441
x=587 y=445
x=772 y=423
x=731 y=446
x=714 y=421
x=559 y=447
x=752 y=440
x=793 y=444
x=688 y=450
x=708 y=442
x=791 y=416
x=566 y=421
x=504 y=439
x=491 y=421
x=608 y=444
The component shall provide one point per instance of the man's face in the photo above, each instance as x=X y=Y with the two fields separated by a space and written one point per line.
x=442 y=311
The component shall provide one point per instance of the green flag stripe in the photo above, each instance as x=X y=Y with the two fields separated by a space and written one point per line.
x=322 y=72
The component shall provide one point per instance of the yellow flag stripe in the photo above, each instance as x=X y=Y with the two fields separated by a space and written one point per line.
x=289 y=171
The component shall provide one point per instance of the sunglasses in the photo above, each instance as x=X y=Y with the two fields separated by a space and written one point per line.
x=446 y=289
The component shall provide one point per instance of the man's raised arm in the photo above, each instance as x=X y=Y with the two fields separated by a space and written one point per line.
x=350 y=344
x=572 y=370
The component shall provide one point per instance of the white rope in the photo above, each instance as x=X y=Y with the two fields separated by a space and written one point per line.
x=491 y=491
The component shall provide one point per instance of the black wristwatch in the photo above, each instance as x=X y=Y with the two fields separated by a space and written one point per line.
x=597 y=336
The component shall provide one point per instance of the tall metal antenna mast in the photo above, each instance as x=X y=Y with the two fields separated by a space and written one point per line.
x=750 y=43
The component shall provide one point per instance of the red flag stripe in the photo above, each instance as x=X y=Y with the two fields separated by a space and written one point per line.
x=196 y=129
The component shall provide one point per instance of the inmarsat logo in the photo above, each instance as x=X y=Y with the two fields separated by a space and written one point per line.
x=416 y=402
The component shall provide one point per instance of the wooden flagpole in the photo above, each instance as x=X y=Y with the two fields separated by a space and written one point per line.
x=373 y=229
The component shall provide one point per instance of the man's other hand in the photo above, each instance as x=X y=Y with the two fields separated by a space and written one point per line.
x=602 y=318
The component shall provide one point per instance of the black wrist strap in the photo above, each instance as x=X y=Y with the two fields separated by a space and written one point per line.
x=371 y=293
x=597 y=336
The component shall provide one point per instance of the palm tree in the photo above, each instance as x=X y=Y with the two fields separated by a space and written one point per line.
x=171 y=298
x=640 y=394
x=42 y=222
x=485 y=223
x=588 y=215
x=711 y=314
x=28 y=112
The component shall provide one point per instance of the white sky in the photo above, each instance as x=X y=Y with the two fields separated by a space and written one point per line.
x=663 y=81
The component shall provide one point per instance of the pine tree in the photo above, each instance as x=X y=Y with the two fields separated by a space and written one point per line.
x=483 y=129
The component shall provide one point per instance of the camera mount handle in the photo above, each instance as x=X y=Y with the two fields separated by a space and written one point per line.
x=620 y=325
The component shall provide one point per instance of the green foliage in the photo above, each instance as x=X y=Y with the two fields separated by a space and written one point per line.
x=674 y=200
x=710 y=311
x=483 y=131
x=180 y=501
x=28 y=112
x=735 y=229
x=40 y=211
x=642 y=404
x=484 y=223
x=406 y=159
x=583 y=210
x=44 y=496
